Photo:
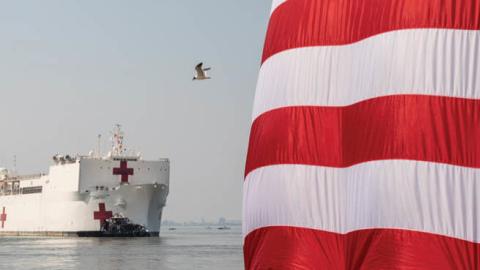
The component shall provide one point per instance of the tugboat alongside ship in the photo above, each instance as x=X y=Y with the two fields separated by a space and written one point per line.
x=118 y=194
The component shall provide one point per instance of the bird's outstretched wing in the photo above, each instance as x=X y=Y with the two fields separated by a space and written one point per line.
x=199 y=70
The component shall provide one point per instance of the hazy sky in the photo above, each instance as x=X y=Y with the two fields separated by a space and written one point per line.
x=70 y=70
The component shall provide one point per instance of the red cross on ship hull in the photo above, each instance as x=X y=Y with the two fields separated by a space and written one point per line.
x=102 y=215
x=123 y=171
x=3 y=217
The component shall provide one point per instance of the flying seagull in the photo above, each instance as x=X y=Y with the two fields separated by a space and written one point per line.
x=201 y=73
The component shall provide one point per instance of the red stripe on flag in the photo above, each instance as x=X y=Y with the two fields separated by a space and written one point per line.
x=300 y=248
x=302 y=23
x=414 y=127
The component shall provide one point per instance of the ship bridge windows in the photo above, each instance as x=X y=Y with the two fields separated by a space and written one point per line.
x=32 y=190
x=13 y=188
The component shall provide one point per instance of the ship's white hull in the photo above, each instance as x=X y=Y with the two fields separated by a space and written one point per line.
x=72 y=213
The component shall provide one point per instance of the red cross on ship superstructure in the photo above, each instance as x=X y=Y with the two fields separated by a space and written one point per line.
x=124 y=171
x=102 y=215
x=3 y=217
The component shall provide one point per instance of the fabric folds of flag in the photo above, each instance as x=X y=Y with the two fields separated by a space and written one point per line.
x=364 y=150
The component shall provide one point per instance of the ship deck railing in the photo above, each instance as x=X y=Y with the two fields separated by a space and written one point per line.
x=23 y=177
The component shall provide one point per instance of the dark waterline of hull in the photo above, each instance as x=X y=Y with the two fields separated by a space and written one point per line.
x=80 y=234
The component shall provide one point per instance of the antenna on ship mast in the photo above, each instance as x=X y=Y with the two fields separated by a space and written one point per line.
x=99 y=145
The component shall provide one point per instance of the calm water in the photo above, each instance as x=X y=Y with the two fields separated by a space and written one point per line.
x=184 y=248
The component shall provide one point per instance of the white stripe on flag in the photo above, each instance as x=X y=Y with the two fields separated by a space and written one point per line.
x=420 y=196
x=420 y=61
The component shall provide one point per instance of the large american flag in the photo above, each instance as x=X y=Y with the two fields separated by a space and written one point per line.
x=365 y=143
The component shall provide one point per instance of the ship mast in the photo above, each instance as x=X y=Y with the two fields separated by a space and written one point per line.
x=14 y=164
x=118 y=148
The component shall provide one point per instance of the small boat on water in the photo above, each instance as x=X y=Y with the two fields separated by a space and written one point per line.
x=119 y=226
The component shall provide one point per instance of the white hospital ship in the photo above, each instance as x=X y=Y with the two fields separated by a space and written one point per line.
x=118 y=194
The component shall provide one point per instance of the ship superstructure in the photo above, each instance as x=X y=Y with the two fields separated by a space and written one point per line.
x=87 y=195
